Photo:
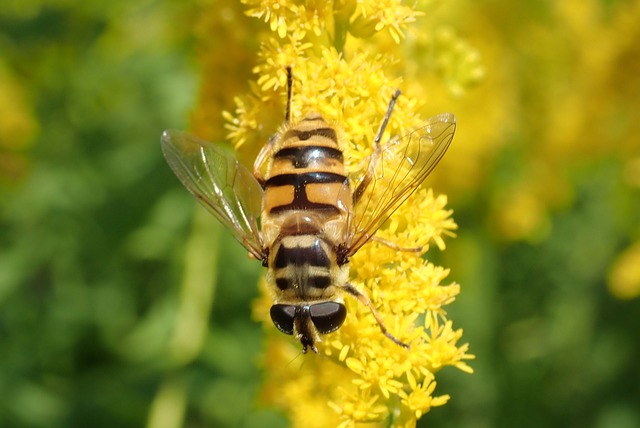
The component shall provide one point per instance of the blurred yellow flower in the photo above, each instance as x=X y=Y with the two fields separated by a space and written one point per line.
x=342 y=69
x=624 y=276
x=561 y=90
x=18 y=127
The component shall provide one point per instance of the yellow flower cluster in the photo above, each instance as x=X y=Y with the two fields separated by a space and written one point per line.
x=296 y=19
x=341 y=69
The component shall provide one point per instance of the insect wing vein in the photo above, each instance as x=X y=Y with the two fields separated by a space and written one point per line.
x=220 y=183
x=404 y=164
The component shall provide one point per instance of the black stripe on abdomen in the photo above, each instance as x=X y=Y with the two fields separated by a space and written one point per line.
x=299 y=183
x=316 y=281
x=301 y=180
x=298 y=256
x=302 y=156
x=327 y=132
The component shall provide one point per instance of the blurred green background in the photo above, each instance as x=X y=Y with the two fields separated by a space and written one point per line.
x=104 y=318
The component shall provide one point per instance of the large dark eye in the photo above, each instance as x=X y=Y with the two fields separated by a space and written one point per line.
x=327 y=316
x=282 y=317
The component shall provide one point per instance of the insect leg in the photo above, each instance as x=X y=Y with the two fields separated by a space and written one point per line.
x=375 y=156
x=386 y=118
x=364 y=299
x=287 y=110
x=395 y=246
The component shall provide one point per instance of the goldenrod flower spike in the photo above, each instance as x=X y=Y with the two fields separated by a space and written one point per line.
x=342 y=69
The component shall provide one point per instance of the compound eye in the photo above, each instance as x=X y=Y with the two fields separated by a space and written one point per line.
x=327 y=316
x=282 y=317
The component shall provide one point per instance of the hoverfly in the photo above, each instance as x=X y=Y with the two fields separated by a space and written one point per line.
x=302 y=214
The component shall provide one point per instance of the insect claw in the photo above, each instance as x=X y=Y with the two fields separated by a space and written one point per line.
x=397 y=341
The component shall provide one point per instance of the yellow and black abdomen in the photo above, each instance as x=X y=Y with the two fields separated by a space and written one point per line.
x=307 y=172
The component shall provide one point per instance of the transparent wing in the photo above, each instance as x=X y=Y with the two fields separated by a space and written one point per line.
x=225 y=187
x=398 y=170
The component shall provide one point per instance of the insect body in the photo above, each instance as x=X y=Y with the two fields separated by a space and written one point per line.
x=302 y=214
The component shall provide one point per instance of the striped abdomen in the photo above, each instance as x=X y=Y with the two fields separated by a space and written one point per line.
x=307 y=172
x=302 y=268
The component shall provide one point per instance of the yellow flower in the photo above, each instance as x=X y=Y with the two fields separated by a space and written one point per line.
x=290 y=17
x=419 y=398
x=374 y=16
x=342 y=70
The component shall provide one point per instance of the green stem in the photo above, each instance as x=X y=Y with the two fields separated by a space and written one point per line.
x=169 y=404
x=197 y=289
x=340 y=35
x=197 y=293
